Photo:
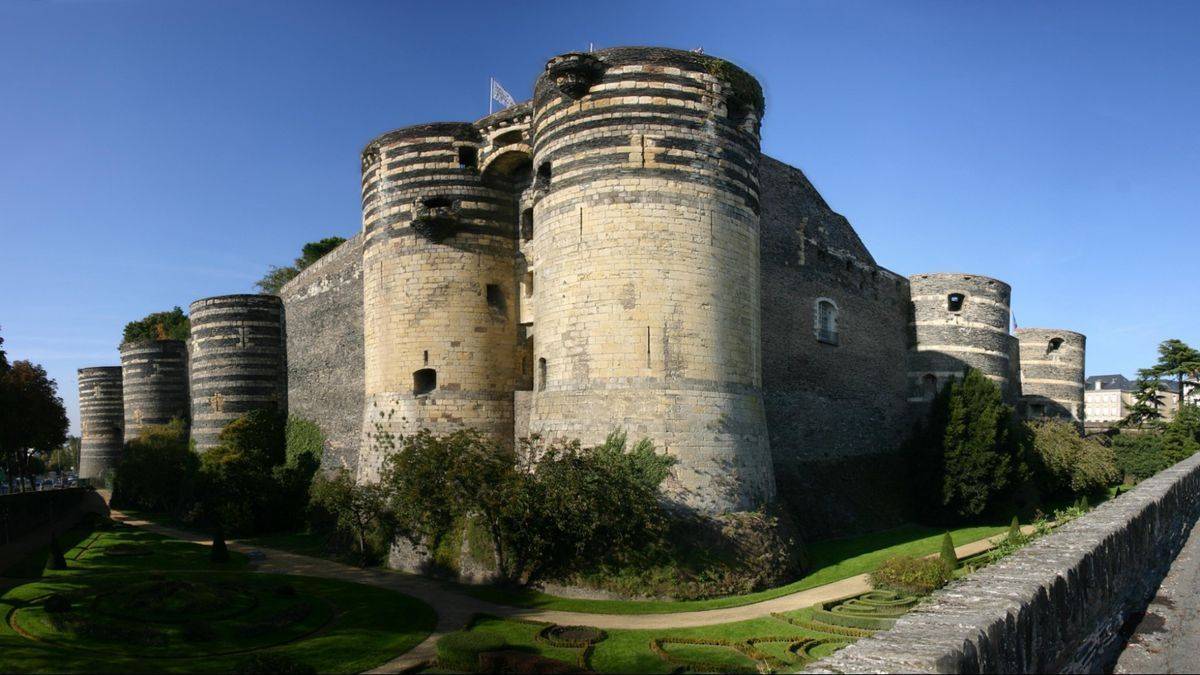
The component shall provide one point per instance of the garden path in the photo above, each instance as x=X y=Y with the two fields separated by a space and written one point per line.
x=455 y=609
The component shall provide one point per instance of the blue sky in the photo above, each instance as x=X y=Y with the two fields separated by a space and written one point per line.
x=157 y=151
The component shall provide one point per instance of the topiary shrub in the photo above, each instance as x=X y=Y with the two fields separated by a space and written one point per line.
x=905 y=574
x=459 y=651
x=948 y=557
x=1014 y=530
x=270 y=663
x=57 y=560
x=220 y=552
x=57 y=604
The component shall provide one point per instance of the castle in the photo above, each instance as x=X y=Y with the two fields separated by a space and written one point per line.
x=616 y=253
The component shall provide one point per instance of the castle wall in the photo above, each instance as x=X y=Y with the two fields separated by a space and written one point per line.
x=101 y=418
x=439 y=290
x=238 y=361
x=836 y=408
x=645 y=260
x=1052 y=373
x=948 y=340
x=324 y=311
x=155 y=383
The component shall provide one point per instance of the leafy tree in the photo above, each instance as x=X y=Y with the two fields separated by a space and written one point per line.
x=965 y=451
x=1066 y=462
x=170 y=325
x=358 y=510
x=1175 y=359
x=275 y=278
x=1147 y=399
x=34 y=418
x=65 y=458
x=157 y=470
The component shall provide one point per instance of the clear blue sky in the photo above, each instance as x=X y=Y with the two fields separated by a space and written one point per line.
x=157 y=151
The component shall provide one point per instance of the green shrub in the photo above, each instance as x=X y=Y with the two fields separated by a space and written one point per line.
x=947 y=555
x=904 y=574
x=459 y=651
x=1063 y=461
x=1014 y=530
x=1140 y=456
x=267 y=663
x=172 y=325
x=157 y=471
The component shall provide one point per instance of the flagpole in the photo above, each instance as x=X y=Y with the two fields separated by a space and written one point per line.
x=490 y=81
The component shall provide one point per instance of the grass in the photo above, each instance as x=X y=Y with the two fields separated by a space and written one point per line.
x=830 y=561
x=142 y=612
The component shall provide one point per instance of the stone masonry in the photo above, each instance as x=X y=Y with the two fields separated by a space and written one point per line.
x=101 y=420
x=1052 y=373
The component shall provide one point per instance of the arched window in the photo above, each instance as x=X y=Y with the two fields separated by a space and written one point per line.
x=1054 y=345
x=826 y=321
x=424 y=381
x=929 y=386
x=541 y=374
x=954 y=302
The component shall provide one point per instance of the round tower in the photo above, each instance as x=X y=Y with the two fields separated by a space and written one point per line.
x=644 y=264
x=238 y=361
x=439 y=289
x=1052 y=367
x=959 y=321
x=101 y=417
x=155 y=376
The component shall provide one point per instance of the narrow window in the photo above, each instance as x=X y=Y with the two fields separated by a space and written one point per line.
x=437 y=202
x=541 y=374
x=468 y=157
x=495 y=297
x=527 y=224
x=1054 y=345
x=529 y=284
x=954 y=302
x=826 y=322
x=929 y=386
x=426 y=357
x=424 y=381
x=543 y=174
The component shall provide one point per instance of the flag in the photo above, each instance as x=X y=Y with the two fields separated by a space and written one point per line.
x=501 y=96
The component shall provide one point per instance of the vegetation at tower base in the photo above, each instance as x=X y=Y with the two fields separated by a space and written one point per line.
x=33 y=421
x=168 y=325
x=276 y=277
x=356 y=513
x=1063 y=462
x=157 y=471
x=1144 y=454
x=965 y=453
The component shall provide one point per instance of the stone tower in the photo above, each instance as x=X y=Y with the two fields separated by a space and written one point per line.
x=439 y=289
x=238 y=361
x=101 y=418
x=959 y=321
x=644 y=263
x=1052 y=367
x=155 y=376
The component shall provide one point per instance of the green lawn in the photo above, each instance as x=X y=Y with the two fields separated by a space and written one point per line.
x=141 y=603
x=830 y=561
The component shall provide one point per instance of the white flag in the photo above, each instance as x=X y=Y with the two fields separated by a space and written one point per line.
x=501 y=96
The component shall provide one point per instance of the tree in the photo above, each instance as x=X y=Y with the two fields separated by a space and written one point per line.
x=34 y=416
x=1147 y=399
x=357 y=510
x=65 y=458
x=157 y=471
x=275 y=278
x=966 y=454
x=1065 y=462
x=1175 y=359
x=170 y=325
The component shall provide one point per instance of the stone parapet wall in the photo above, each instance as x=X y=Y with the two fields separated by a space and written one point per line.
x=1056 y=605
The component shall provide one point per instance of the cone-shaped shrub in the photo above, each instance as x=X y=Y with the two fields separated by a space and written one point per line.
x=220 y=553
x=948 y=556
x=57 y=560
x=1083 y=503
x=1014 y=530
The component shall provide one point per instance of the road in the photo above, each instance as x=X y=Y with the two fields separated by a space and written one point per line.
x=1167 y=640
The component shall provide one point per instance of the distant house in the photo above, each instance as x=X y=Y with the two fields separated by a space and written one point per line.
x=1108 y=398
